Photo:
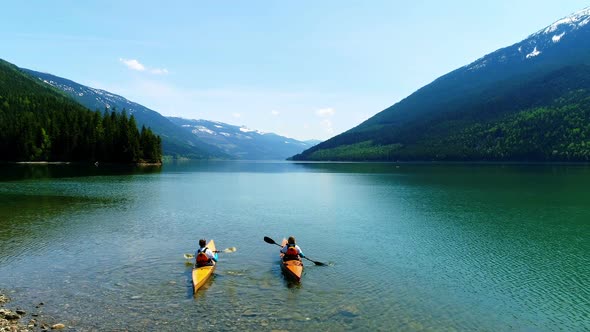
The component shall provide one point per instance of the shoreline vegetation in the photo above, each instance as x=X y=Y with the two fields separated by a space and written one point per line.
x=18 y=319
x=97 y=164
x=112 y=137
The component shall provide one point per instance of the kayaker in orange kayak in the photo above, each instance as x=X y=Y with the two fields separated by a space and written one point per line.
x=291 y=250
x=204 y=256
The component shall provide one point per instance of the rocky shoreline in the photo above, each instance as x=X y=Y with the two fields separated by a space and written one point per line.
x=19 y=320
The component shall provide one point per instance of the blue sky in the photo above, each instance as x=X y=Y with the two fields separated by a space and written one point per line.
x=303 y=69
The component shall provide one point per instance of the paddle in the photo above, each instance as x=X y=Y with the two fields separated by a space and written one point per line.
x=271 y=241
x=226 y=250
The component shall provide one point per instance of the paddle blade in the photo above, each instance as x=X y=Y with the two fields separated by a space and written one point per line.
x=230 y=250
x=269 y=240
x=316 y=262
x=189 y=256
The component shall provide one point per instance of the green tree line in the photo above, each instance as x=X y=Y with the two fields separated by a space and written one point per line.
x=54 y=130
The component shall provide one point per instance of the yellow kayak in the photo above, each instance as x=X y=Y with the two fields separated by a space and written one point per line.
x=292 y=269
x=203 y=273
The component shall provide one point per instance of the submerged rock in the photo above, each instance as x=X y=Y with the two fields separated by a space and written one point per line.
x=7 y=314
x=9 y=320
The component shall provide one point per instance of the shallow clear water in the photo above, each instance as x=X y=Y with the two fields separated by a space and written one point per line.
x=410 y=247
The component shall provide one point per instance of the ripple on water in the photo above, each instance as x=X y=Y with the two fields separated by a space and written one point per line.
x=411 y=252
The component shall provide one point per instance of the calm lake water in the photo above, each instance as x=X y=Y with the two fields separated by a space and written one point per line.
x=410 y=247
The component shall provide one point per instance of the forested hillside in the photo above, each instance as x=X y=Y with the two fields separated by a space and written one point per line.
x=176 y=142
x=525 y=102
x=547 y=119
x=38 y=123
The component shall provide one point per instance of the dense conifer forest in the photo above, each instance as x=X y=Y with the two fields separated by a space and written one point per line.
x=557 y=132
x=38 y=123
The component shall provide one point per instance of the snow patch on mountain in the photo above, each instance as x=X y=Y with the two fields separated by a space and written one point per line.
x=557 y=38
x=248 y=130
x=101 y=96
x=478 y=64
x=203 y=129
x=534 y=53
x=574 y=21
x=243 y=142
x=534 y=45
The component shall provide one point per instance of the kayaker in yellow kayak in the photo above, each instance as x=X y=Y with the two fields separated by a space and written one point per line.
x=204 y=256
x=291 y=250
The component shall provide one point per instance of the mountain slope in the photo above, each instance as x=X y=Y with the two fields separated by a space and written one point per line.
x=41 y=123
x=241 y=142
x=545 y=70
x=175 y=142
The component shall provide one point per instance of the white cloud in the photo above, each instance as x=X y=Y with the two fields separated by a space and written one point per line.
x=274 y=112
x=237 y=115
x=134 y=64
x=325 y=112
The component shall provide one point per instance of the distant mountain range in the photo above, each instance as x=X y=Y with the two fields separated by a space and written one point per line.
x=241 y=142
x=526 y=102
x=184 y=138
x=175 y=142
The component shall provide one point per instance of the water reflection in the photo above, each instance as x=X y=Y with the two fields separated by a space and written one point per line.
x=221 y=166
x=441 y=168
x=414 y=247
x=15 y=172
x=41 y=203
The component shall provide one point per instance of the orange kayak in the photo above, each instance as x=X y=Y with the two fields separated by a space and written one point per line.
x=203 y=273
x=292 y=269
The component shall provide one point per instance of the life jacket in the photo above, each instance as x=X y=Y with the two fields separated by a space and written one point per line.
x=291 y=252
x=202 y=258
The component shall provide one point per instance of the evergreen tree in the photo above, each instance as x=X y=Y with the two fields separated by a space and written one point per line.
x=38 y=123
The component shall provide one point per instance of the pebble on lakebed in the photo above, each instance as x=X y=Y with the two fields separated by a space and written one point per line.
x=10 y=320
